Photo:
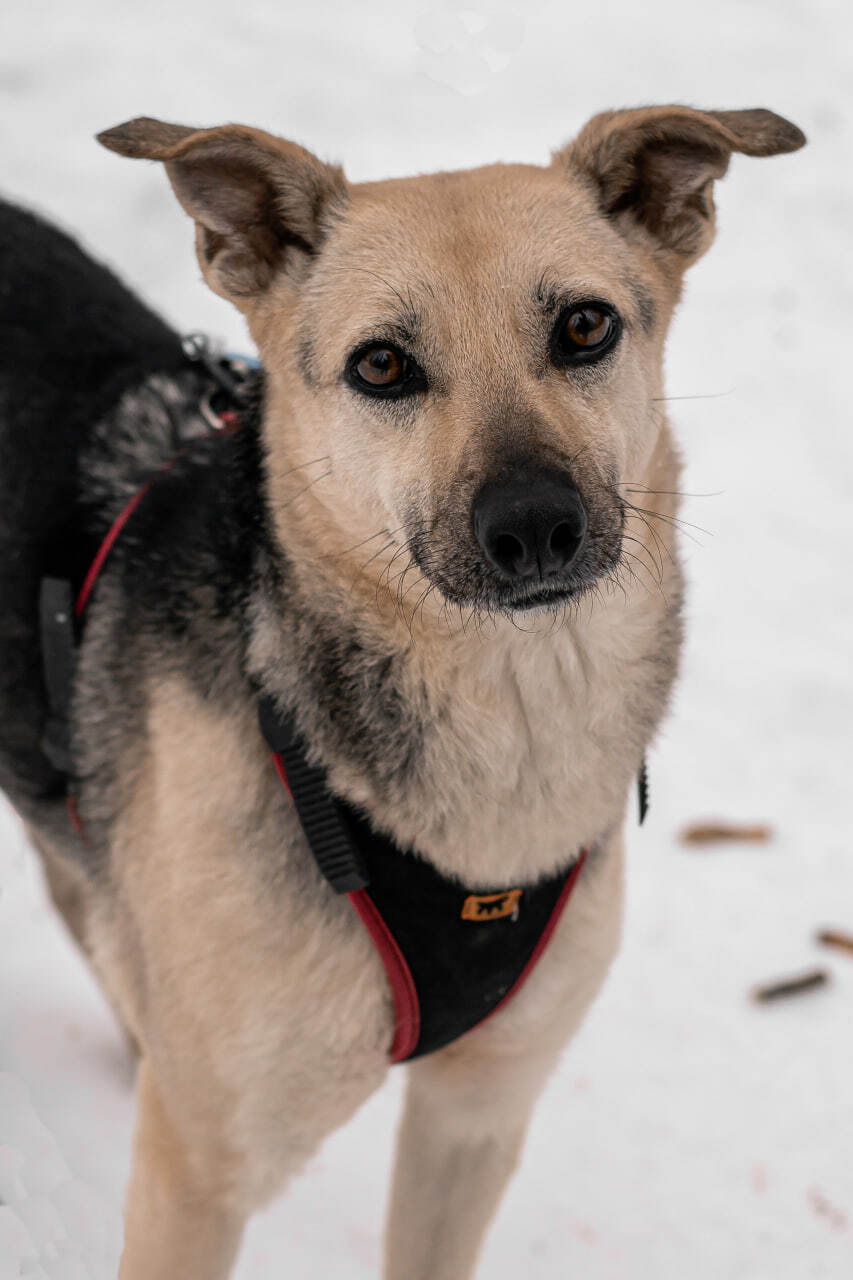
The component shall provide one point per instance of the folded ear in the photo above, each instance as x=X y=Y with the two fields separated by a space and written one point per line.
x=258 y=202
x=656 y=166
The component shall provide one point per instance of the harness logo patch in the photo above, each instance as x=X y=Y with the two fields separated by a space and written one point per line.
x=492 y=906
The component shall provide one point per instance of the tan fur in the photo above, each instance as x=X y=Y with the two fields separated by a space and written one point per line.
x=262 y=1012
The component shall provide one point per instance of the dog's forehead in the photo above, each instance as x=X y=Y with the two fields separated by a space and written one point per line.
x=496 y=233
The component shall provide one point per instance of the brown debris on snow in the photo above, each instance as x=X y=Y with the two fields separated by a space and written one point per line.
x=823 y=1208
x=835 y=938
x=712 y=832
x=790 y=986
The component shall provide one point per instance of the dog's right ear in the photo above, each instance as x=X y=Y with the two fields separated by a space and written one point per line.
x=654 y=167
x=258 y=202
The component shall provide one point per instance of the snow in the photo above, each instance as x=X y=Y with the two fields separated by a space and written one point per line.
x=687 y=1131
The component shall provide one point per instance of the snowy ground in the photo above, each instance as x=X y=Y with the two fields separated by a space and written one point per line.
x=687 y=1132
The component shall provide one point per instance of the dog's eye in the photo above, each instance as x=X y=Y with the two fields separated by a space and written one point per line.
x=384 y=370
x=588 y=327
x=585 y=333
x=380 y=367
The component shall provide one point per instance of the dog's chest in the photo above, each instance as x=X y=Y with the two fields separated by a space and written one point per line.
x=527 y=756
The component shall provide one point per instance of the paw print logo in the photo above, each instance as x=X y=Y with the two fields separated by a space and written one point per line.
x=464 y=46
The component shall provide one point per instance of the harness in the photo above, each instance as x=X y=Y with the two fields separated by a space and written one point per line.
x=453 y=954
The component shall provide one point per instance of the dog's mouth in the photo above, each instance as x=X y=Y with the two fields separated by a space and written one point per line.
x=551 y=595
x=467 y=581
x=525 y=601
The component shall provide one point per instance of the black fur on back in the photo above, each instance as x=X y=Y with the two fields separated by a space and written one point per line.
x=73 y=339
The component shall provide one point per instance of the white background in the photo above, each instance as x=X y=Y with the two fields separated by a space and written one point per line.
x=687 y=1132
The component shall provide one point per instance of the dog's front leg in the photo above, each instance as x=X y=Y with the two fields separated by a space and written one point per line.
x=181 y=1222
x=462 y=1131
x=468 y=1106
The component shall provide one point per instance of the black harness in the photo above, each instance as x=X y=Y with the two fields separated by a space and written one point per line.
x=453 y=954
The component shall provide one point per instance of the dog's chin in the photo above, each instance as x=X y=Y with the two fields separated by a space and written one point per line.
x=475 y=586
x=534 y=600
x=519 y=600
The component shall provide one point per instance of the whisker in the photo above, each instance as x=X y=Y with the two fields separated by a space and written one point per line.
x=675 y=521
x=408 y=310
x=638 y=581
x=325 y=457
x=282 y=506
x=657 y=563
x=337 y=555
x=360 y=570
x=711 y=395
x=659 y=542
x=666 y=493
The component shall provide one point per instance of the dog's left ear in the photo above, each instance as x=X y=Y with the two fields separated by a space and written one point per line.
x=259 y=202
x=655 y=167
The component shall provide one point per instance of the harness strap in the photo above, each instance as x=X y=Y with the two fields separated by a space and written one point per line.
x=56 y=618
x=643 y=792
x=322 y=821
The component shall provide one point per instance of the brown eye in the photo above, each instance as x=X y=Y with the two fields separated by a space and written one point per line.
x=587 y=327
x=380 y=366
x=383 y=370
x=584 y=334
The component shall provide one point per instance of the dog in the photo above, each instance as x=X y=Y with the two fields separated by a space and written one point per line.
x=436 y=545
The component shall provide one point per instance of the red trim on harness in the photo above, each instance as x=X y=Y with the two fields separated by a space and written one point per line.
x=74 y=816
x=544 y=938
x=112 y=537
x=230 y=420
x=106 y=547
x=407 y=1010
x=279 y=768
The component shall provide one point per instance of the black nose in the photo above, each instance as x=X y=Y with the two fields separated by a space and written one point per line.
x=530 y=523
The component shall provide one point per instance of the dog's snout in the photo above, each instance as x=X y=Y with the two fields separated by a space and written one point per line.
x=530 y=523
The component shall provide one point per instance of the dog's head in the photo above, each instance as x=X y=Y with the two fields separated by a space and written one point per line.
x=470 y=359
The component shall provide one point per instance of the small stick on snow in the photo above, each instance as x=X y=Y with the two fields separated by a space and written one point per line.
x=836 y=938
x=808 y=981
x=709 y=832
